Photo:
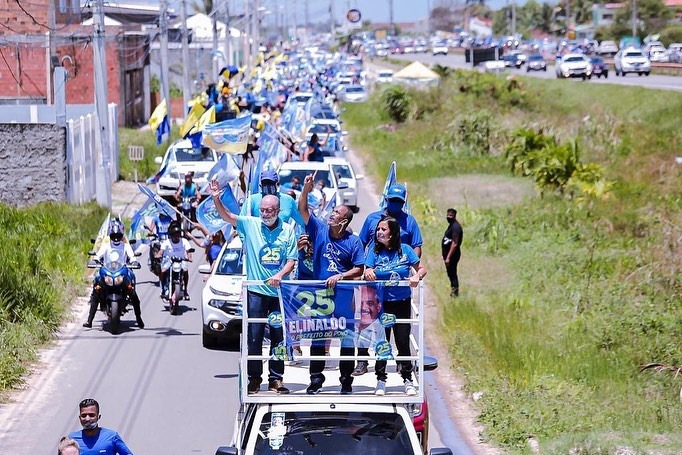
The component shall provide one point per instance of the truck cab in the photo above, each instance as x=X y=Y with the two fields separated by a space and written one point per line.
x=330 y=422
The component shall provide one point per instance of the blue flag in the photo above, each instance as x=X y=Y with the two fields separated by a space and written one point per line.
x=137 y=230
x=155 y=178
x=391 y=179
x=254 y=178
x=161 y=204
x=164 y=128
x=208 y=215
x=351 y=312
x=224 y=171
x=229 y=136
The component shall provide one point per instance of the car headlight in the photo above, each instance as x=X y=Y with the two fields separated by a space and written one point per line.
x=217 y=303
x=118 y=280
x=109 y=281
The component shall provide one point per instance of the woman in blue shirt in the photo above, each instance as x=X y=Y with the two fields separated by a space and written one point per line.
x=313 y=151
x=389 y=259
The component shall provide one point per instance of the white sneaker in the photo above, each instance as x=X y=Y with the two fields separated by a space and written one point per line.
x=409 y=389
x=381 y=388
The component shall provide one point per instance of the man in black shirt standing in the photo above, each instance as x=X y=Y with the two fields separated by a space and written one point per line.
x=452 y=242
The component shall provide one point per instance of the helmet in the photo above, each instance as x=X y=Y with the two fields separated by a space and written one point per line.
x=116 y=231
x=174 y=228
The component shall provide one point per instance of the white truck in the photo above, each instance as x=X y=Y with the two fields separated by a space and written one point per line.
x=330 y=422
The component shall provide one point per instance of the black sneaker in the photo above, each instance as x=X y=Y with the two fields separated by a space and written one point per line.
x=346 y=389
x=140 y=323
x=277 y=386
x=360 y=368
x=254 y=386
x=314 y=388
x=87 y=325
x=186 y=295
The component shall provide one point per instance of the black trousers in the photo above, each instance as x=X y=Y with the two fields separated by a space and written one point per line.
x=317 y=366
x=402 y=310
x=451 y=269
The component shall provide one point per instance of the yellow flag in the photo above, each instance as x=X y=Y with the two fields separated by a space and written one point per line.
x=159 y=113
x=207 y=118
x=192 y=118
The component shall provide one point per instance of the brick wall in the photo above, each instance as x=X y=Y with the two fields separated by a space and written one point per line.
x=33 y=163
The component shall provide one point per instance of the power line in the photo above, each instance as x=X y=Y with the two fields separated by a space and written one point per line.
x=2 y=54
x=31 y=16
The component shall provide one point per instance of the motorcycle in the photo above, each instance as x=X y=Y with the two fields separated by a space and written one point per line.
x=114 y=286
x=154 y=262
x=175 y=285
x=186 y=208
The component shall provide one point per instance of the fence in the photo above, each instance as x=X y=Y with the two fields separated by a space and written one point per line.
x=83 y=157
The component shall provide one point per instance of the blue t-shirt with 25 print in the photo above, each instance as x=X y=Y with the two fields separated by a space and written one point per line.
x=390 y=265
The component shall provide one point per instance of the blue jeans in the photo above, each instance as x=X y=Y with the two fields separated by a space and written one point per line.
x=260 y=306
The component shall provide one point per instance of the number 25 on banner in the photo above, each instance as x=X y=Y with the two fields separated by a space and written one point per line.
x=319 y=303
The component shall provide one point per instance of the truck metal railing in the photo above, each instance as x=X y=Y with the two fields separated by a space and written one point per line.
x=296 y=370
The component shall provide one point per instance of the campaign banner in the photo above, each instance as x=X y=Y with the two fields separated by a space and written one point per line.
x=351 y=312
x=208 y=216
x=161 y=204
x=229 y=136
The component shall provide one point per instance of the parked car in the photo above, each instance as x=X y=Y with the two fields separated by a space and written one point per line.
x=354 y=94
x=181 y=158
x=573 y=65
x=675 y=53
x=631 y=60
x=658 y=54
x=607 y=47
x=536 y=62
x=221 y=299
x=332 y=187
x=599 y=67
x=384 y=77
x=440 y=49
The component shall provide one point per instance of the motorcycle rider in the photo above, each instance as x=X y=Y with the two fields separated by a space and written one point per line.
x=159 y=227
x=174 y=246
x=116 y=245
x=189 y=189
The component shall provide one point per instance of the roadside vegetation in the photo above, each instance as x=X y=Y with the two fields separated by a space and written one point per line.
x=147 y=139
x=567 y=290
x=41 y=270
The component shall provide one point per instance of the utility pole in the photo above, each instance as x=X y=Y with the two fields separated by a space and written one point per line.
x=296 y=21
x=103 y=189
x=513 y=21
x=165 y=79
x=306 y=16
x=186 y=90
x=568 y=18
x=332 y=25
x=214 y=58
x=246 y=33
x=634 y=18
x=228 y=36
x=390 y=16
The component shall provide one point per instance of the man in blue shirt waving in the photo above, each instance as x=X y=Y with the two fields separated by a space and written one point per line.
x=93 y=439
x=270 y=255
x=337 y=255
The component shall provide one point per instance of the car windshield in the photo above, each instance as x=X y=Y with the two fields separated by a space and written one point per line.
x=230 y=262
x=332 y=433
x=194 y=154
x=323 y=128
x=634 y=54
x=342 y=171
x=285 y=176
x=573 y=59
x=385 y=74
x=354 y=90
x=536 y=57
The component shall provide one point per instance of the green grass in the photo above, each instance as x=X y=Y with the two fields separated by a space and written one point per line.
x=41 y=270
x=145 y=168
x=563 y=299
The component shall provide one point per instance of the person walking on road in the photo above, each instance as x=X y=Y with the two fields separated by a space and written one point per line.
x=93 y=439
x=271 y=255
x=451 y=246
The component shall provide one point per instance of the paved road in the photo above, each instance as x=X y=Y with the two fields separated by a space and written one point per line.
x=652 y=81
x=158 y=387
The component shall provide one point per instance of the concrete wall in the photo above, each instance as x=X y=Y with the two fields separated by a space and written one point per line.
x=33 y=163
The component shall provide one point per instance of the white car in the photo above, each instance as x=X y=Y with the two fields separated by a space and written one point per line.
x=658 y=54
x=631 y=60
x=573 y=65
x=333 y=189
x=345 y=174
x=384 y=77
x=221 y=299
x=607 y=47
x=179 y=159
x=354 y=94
x=440 y=49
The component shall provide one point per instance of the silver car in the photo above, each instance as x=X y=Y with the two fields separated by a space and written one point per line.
x=354 y=94
x=631 y=60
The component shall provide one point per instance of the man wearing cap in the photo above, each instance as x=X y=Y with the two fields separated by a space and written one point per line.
x=288 y=209
x=410 y=234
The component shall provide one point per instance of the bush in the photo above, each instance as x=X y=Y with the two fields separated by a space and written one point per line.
x=672 y=34
x=474 y=132
x=396 y=103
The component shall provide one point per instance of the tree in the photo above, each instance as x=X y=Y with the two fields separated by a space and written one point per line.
x=652 y=15
x=442 y=18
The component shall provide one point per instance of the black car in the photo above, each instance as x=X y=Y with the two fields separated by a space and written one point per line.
x=599 y=67
x=536 y=62
x=512 y=60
